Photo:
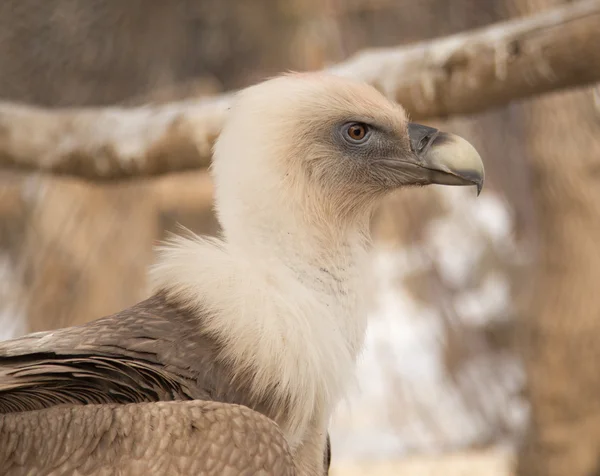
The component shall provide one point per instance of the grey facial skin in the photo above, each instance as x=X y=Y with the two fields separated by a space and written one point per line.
x=417 y=155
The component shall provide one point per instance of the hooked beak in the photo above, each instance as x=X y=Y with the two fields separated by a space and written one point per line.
x=445 y=158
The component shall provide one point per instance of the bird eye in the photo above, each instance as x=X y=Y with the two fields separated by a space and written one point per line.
x=357 y=132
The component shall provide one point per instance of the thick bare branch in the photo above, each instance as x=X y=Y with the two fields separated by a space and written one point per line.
x=111 y=143
x=460 y=74
x=476 y=70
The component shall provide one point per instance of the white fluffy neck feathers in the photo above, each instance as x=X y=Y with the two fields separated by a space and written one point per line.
x=293 y=322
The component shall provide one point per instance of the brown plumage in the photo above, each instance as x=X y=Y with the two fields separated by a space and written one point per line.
x=272 y=316
x=203 y=438
x=151 y=352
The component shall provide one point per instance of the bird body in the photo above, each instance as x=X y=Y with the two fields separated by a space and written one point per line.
x=272 y=315
x=110 y=439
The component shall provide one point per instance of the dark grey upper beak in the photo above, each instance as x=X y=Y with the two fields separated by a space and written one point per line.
x=448 y=159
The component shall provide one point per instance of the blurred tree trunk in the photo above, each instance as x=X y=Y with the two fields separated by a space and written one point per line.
x=561 y=332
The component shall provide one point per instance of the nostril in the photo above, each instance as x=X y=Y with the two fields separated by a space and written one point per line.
x=421 y=137
x=423 y=143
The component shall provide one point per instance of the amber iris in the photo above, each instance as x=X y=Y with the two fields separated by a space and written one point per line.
x=357 y=131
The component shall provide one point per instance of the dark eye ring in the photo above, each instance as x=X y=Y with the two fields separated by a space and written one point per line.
x=357 y=132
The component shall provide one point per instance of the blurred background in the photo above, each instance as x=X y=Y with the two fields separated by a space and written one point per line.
x=484 y=341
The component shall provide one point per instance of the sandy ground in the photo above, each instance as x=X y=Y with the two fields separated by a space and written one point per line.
x=480 y=463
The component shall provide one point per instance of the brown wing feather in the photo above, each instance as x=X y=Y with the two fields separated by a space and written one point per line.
x=150 y=352
x=174 y=438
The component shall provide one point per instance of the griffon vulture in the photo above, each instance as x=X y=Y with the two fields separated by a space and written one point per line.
x=270 y=316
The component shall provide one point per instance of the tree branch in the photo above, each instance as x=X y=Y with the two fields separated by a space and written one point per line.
x=111 y=143
x=473 y=71
x=460 y=74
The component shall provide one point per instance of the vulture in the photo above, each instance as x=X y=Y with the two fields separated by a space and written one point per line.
x=237 y=360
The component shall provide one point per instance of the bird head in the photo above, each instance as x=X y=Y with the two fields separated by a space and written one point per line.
x=330 y=147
